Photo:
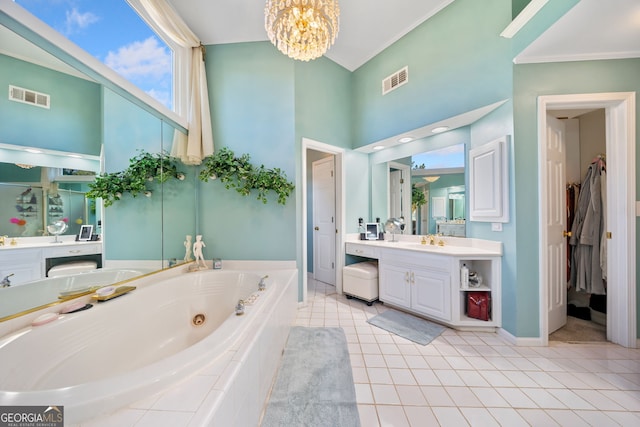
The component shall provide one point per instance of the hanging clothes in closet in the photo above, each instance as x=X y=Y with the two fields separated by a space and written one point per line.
x=571 y=198
x=588 y=251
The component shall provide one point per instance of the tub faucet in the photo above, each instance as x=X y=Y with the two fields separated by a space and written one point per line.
x=6 y=282
x=262 y=285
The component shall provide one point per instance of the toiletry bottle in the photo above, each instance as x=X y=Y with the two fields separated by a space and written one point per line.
x=464 y=276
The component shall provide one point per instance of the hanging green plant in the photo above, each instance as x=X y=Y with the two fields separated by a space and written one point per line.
x=239 y=173
x=143 y=169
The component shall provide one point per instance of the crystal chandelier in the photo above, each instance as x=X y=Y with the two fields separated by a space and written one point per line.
x=302 y=29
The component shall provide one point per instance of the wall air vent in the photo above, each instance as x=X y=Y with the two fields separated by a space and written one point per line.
x=28 y=96
x=395 y=80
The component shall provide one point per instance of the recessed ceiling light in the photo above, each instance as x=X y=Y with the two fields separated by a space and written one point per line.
x=378 y=147
x=440 y=129
x=405 y=139
x=31 y=150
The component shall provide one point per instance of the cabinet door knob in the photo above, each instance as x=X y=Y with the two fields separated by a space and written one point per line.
x=566 y=234
x=316 y=228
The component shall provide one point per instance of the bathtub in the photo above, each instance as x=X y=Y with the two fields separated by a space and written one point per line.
x=26 y=296
x=120 y=351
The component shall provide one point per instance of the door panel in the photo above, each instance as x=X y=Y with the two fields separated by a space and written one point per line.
x=556 y=247
x=324 y=234
x=431 y=293
x=394 y=285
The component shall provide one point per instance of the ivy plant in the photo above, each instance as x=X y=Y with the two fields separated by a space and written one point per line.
x=239 y=173
x=143 y=169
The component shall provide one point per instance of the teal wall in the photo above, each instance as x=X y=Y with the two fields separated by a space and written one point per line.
x=457 y=62
x=252 y=95
x=323 y=111
x=531 y=81
x=71 y=124
x=132 y=226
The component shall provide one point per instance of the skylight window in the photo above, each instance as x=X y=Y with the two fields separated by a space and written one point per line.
x=115 y=34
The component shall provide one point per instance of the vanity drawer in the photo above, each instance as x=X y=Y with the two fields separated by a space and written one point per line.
x=73 y=250
x=415 y=259
x=358 y=249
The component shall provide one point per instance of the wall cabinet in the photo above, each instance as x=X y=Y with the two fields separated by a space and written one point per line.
x=429 y=283
x=489 y=182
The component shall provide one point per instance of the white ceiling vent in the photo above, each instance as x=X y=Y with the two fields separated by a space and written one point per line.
x=395 y=80
x=28 y=96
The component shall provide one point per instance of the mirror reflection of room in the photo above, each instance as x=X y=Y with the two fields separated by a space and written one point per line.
x=435 y=199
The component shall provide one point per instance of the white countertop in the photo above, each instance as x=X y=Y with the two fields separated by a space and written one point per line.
x=453 y=246
x=44 y=242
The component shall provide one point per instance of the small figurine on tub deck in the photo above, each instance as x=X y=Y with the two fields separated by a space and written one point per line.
x=197 y=252
x=187 y=246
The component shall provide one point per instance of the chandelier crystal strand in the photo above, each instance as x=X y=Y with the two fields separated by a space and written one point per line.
x=302 y=29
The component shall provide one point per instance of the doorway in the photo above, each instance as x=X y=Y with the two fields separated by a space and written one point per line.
x=323 y=213
x=311 y=148
x=576 y=158
x=619 y=112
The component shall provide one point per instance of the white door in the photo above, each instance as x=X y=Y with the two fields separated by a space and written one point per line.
x=395 y=194
x=324 y=234
x=400 y=194
x=424 y=214
x=556 y=241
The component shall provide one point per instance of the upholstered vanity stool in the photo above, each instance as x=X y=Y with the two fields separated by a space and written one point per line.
x=360 y=280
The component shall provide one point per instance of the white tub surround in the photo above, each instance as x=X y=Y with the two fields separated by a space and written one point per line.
x=27 y=259
x=425 y=279
x=127 y=350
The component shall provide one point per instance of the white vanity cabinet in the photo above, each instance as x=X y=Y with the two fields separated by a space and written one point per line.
x=24 y=265
x=418 y=282
x=425 y=280
x=28 y=263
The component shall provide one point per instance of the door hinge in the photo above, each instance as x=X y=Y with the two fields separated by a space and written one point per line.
x=332 y=266
x=331 y=174
x=331 y=220
x=401 y=180
x=608 y=235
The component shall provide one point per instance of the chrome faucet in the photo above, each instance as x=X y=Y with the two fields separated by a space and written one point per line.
x=6 y=282
x=262 y=285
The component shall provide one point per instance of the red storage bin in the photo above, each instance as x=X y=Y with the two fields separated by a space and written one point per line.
x=479 y=305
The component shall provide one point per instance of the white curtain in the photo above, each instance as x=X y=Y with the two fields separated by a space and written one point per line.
x=198 y=144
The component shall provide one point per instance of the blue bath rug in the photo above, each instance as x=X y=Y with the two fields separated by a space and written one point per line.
x=314 y=386
x=413 y=328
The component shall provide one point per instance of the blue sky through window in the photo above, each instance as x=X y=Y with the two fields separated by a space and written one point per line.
x=448 y=157
x=112 y=31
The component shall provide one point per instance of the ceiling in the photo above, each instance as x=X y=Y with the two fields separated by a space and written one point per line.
x=367 y=27
x=593 y=29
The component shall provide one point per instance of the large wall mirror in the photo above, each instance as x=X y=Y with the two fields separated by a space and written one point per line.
x=92 y=125
x=424 y=182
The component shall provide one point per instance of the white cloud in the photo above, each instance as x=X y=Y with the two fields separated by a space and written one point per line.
x=161 y=96
x=141 y=60
x=78 y=21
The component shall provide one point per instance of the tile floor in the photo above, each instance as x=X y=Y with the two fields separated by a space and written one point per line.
x=477 y=379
